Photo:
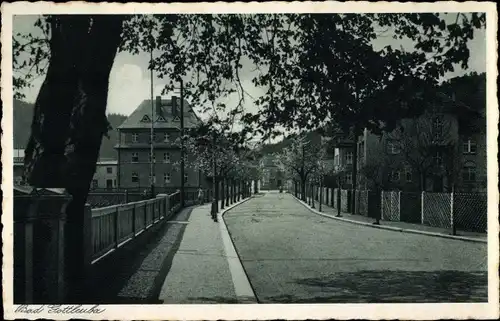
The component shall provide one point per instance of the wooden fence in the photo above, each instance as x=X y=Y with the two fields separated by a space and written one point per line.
x=115 y=225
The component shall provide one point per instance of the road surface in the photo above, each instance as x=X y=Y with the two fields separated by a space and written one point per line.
x=292 y=255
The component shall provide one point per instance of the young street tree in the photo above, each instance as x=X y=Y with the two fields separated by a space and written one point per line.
x=299 y=160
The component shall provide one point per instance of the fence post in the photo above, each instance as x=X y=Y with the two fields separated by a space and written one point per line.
x=320 y=196
x=145 y=215
x=422 y=207
x=133 y=220
x=452 y=216
x=399 y=206
x=382 y=204
x=116 y=226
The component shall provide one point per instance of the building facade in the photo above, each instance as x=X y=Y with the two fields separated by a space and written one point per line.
x=105 y=176
x=436 y=152
x=272 y=177
x=18 y=166
x=134 y=146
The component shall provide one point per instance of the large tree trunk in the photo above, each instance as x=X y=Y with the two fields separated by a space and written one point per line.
x=69 y=119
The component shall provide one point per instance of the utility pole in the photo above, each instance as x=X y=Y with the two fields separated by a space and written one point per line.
x=151 y=158
x=182 y=142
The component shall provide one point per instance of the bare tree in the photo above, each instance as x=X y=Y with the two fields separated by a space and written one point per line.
x=424 y=143
x=299 y=160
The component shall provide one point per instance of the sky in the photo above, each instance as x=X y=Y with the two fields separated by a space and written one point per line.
x=130 y=82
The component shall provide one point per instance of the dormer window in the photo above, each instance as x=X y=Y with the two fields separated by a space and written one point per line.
x=176 y=118
x=146 y=119
x=161 y=119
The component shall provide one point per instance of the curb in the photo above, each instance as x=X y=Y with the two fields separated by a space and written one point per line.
x=395 y=229
x=242 y=287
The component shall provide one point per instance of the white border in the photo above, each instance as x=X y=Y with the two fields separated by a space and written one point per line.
x=263 y=311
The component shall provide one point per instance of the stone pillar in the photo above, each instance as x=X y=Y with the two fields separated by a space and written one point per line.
x=39 y=223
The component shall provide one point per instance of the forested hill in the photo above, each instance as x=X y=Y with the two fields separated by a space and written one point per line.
x=277 y=147
x=23 y=114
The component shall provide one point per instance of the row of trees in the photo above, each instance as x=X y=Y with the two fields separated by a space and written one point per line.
x=304 y=161
x=225 y=157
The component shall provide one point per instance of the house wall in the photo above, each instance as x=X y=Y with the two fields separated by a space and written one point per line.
x=375 y=150
x=101 y=175
x=161 y=167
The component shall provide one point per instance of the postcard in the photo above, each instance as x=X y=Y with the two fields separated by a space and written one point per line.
x=233 y=161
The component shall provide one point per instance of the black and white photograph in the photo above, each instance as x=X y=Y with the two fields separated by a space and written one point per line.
x=267 y=160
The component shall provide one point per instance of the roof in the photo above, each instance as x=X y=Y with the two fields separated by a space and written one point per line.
x=107 y=162
x=167 y=119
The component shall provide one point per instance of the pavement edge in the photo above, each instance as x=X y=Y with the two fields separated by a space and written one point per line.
x=242 y=287
x=395 y=229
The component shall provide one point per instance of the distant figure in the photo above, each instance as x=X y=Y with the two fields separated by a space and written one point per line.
x=200 y=196
x=145 y=194
x=281 y=188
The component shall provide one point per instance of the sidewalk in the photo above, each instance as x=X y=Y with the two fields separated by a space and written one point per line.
x=400 y=226
x=199 y=272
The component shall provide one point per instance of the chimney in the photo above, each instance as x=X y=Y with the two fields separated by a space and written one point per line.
x=174 y=105
x=158 y=105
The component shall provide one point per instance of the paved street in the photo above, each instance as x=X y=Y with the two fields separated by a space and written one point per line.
x=292 y=255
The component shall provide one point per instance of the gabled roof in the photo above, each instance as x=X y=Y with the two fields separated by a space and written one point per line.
x=164 y=119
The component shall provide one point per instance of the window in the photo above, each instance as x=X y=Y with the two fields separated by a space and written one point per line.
x=146 y=119
x=185 y=178
x=166 y=178
x=135 y=177
x=348 y=178
x=166 y=157
x=348 y=158
x=176 y=118
x=95 y=183
x=470 y=147
x=408 y=173
x=135 y=137
x=438 y=158
x=166 y=137
x=149 y=158
x=152 y=181
x=469 y=172
x=109 y=170
x=361 y=152
x=154 y=138
x=437 y=126
x=160 y=119
x=393 y=147
x=394 y=176
x=135 y=157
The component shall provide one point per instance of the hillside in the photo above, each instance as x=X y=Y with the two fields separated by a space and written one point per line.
x=23 y=115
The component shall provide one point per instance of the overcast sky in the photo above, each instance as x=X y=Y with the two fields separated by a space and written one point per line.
x=129 y=82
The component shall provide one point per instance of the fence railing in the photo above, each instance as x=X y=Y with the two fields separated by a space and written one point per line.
x=114 y=225
x=463 y=211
